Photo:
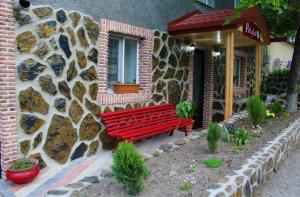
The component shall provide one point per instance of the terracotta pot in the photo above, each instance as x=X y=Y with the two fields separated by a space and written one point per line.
x=23 y=176
x=190 y=127
x=126 y=88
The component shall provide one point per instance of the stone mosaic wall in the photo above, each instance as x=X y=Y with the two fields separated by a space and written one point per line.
x=169 y=70
x=56 y=61
x=275 y=85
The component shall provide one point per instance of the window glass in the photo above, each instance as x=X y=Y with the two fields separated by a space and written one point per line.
x=113 y=61
x=237 y=71
x=130 y=61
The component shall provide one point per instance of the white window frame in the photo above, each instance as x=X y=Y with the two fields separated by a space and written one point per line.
x=206 y=2
x=235 y=3
x=121 y=58
x=239 y=74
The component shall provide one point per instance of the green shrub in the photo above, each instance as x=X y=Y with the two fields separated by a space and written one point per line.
x=129 y=168
x=213 y=163
x=256 y=110
x=281 y=72
x=186 y=186
x=213 y=135
x=276 y=108
x=186 y=110
x=241 y=136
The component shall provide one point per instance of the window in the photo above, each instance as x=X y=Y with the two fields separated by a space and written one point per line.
x=210 y=3
x=122 y=60
x=236 y=3
x=237 y=71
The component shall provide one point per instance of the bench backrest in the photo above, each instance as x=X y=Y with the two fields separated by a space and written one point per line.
x=137 y=118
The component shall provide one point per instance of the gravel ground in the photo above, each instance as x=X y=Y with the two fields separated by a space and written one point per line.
x=171 y=169
x=287 y=181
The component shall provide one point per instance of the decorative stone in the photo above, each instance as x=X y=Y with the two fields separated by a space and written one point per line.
x=157 y=74
x=64 y=89
x=107 y=173
x=25 y=146
x=32 y=101
x=155 y=61
x=53 y=44
x=119 y=108
x=170 y=42
x=29 y=69
x=173 y=60
x=61 y=29
x=37 y=140
x=79 y=90
x=72 y=36
x=89 y=128
x=47 y=85
x=93 y=55
x=61 y=16
x=72 y=71
x=45 y=30
x=157 y=34
x=160 y=85
x=92 y=107
x=90 y=179
x=43 y=12
x=37 y=156
x=157 y=97
x=164 y=52
x=181 y=142
x=174 y=92
x=30 y=123
x=57 y=63
x=21 y=18
x=57 y=192
x=156 y=45
x=75 y=17
x=82 y=38
x=75 y=185
x=93 y=147
x=107 y=141
x=170 y=73
x=184 y=61
x=81 y=59
x=92 y=29
x=162 y=64
x=25 y=42
x=107 y=109
x=185 y=75
x=165 y=147
x=60 y=139
x=128 y=106
x=179 y=75
x=137 y=105
x=75 y=111
x=164 y=37
x=155 y=153
x=42 y=49
x=60 y=104
x=89 y=74
x=64 y=45
x=93 y=90
x=79 y=151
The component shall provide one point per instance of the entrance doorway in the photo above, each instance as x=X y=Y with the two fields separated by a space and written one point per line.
x=198 y=88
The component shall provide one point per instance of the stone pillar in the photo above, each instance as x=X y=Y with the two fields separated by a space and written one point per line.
x=8 y=113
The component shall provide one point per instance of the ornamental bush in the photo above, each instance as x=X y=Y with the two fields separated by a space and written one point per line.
x=129 y=168
x=213 y=136
x=276 y=108
x=256 y=110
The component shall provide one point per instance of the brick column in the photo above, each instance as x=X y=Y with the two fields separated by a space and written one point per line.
x=8 y=113
x=208 y=89
x=191 y=78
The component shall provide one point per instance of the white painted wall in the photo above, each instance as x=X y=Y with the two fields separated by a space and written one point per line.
x=279 y=52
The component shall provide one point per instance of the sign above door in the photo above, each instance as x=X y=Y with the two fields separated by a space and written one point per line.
x=252 y=31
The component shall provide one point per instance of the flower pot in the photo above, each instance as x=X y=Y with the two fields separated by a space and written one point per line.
x=126 y=88
x=189 y=128
x=23 y=176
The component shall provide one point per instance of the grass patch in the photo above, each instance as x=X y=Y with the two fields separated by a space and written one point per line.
x=191 y=169
x=213 y=163
x=186 y=186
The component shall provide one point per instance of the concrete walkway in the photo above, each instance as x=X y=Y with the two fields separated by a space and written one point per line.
x=287 y=181
x=58 y=178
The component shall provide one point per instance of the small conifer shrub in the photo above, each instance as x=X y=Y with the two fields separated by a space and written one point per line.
x=276 y=108
x=213 y=135
x=256 y=110
x=129 y=168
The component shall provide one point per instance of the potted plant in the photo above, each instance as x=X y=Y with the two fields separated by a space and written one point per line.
x=123 y=88
x=23 y=171
x=187 y=110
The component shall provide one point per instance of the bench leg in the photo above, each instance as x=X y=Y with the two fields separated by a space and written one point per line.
x=116 y=144
x=171 y=133
x=185 y=131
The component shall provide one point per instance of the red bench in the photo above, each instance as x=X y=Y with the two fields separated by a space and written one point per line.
x=140 y=123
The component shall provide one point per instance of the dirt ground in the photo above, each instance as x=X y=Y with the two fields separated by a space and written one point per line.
x=171 y=169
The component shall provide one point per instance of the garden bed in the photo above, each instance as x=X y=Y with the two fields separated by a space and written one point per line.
x=184 y=164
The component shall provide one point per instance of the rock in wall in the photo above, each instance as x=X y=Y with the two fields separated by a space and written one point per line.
x=169 y=70
x=56 y=61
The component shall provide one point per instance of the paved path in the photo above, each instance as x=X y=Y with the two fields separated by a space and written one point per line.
x=287 y=181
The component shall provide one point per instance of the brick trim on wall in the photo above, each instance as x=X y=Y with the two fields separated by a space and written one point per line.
x=145 y=36
x=208 y=89
x=8 y=113
x=191 y=78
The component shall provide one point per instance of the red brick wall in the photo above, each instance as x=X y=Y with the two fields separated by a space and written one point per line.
x=144 y=62
x=8 y=114
x=191 y=78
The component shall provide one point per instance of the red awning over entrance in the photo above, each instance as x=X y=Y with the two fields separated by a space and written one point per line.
x=197 y=22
